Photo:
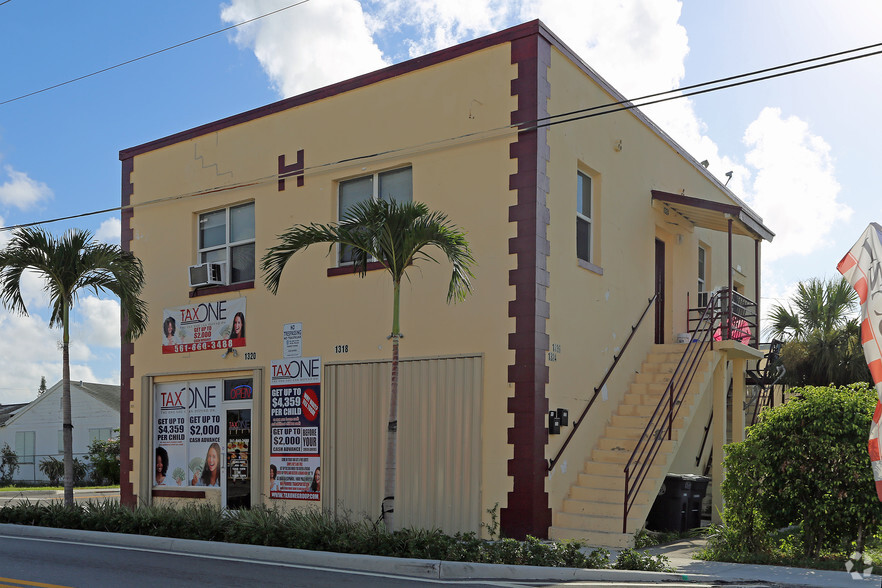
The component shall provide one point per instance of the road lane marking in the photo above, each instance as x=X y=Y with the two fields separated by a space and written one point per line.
x=18 y=583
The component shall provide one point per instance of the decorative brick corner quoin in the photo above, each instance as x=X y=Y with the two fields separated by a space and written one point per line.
x=528 y=511
x=127 y=350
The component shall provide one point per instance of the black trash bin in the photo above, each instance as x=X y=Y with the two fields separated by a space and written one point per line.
x=678 y=504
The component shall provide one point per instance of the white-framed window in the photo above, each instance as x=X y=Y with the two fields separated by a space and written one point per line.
x=227 y=236
x=394 y=184
x=61 y=441
x=25 y=443
x=584 y=218
x=702 y=276
x=102 y=434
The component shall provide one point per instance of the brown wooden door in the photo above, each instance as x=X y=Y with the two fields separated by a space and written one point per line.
x=660 y=291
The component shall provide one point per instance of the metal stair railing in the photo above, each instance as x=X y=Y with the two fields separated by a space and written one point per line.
x=661 y=422
x=598 y=389
x=765 y=379
x=707 y=427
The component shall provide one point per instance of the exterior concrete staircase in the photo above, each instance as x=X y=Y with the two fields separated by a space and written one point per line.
x=594 y=507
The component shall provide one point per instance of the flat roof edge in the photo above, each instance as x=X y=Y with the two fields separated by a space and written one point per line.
x=534 y=27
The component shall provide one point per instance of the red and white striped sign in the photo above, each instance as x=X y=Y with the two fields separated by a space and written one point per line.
x=862 y=268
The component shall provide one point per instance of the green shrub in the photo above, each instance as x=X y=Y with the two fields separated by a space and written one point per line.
x=804 y=464
x=632 y=559
x=311 y=529
x=8 y=464
x=54 y=470
x=104 y=457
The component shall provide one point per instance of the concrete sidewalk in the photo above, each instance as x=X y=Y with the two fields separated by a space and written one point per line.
x=52 y=495
x=680 y=554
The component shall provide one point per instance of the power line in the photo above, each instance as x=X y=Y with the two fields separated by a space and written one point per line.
x=130 y=61
x=735 y=77
x=548 y=121
x=628 y=104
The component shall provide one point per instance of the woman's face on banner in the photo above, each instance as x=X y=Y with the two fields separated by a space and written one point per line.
x=212 y=459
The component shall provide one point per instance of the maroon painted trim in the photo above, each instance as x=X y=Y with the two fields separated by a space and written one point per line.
x=178 y=494
x=527 y=511
x=127 y=350
x=696 y=202
x=286 y=170
x=528 y=29
x=348 y=270
x=206 y=290
x=744 y=215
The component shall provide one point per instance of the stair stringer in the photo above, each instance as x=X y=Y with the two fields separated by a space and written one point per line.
x=594 y=506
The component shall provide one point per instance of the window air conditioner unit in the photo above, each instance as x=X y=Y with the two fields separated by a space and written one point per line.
x=206 y=274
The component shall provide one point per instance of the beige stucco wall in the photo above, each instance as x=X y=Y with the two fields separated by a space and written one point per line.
x=591 y=312
x=467 y=179
x=415 y=114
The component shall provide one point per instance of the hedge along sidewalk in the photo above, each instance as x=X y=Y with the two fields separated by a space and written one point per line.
x=413 y=568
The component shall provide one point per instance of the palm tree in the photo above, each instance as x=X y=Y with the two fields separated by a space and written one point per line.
x=823 y=334
x=396 y=235
x=69 y=265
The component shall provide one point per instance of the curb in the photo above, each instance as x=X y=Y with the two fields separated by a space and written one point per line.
x=414 y=568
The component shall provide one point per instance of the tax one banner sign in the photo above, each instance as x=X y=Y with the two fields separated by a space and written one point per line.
x=204 y=326
x=295 y=431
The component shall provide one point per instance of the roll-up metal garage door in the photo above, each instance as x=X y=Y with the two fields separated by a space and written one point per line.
x=439 y=440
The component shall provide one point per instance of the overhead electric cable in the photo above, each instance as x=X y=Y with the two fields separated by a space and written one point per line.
x=729 y=79
x=609 y=108
x=629 y=104
x=118 y=65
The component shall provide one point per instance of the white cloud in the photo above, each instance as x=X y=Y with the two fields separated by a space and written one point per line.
x=28 y=350
x=436 y=24
x=32 y=287
x=109 y=231
x=795 y=189
x=309 y=46
x=21 y=191
x=98 y=323
x=636 y=45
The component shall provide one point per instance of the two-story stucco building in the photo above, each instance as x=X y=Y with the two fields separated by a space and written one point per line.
x=575 y=224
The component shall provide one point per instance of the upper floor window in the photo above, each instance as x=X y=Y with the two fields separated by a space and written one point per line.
x=584 y=218
x=227 y=236
x=396 y=184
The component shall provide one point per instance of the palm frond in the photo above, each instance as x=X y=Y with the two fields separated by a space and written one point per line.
x=69 y=265
x=395 y=234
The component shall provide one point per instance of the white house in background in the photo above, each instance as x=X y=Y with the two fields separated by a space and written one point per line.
x=34 y=431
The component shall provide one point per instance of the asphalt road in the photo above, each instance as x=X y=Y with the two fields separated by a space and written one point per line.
x=65 y=563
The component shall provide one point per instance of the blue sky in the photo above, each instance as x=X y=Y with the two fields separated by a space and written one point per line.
x=803 y=149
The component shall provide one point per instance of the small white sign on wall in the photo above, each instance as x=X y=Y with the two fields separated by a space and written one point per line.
x=292 y=340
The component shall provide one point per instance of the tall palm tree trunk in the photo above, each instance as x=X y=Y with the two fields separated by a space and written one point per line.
x=67 y=425
x=392 y=429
